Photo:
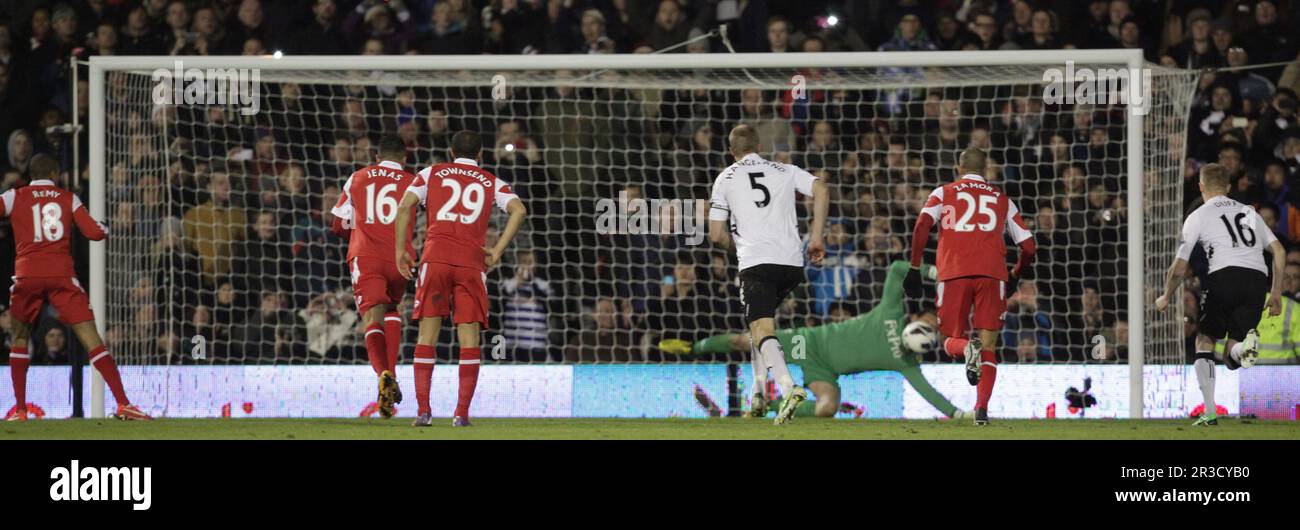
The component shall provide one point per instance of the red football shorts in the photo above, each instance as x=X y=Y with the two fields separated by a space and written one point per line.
x=973 y=301
x=28 y=295
x=376 y=282
x=443 y=290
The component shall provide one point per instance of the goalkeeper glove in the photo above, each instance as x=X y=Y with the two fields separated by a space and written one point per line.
x=912 y=283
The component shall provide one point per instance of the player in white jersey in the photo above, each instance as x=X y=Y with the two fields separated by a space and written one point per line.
x=1234 y=238
x=754 y=204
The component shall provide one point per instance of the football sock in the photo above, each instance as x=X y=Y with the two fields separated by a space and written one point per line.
x=423 y=376
x=375 y=348
x=18 y=361
x=774 y=357
x=988 y=372
x=760 y=370
x=102 y=361
x=393 y=337
x=956 y=347
x=469 y=364
x=718 y=344
x=1204 y=367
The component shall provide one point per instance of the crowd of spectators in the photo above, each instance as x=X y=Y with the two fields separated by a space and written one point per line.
x=235 y=209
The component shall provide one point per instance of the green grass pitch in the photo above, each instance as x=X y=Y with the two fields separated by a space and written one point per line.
x=645 y=429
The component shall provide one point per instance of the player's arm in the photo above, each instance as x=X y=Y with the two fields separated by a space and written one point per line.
x=719 y=216
x=1174 y=277
x=1015 y=228
x=343 y=212
x=897 y=275
x=515 y=208
x=1279 y=265
x=808 y=184
x=7 y=202
x=920 y=238
x=88 y=226
x=922 y=386
x=415 y=194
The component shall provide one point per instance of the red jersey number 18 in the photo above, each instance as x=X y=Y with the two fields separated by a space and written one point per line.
x=47 y=222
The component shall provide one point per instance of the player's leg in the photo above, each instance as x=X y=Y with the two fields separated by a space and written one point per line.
x=773 y=355
x=376 y=352
x=990 y=305
x=988 y=372
x=66 y=295
x=1243 y=338
x=758 y=401
x=1204 y=368
x=19 y=359
x=430 y=308
x=470 y=356
x=827 y=402
x=1213 y=325
x=102 y=360
x=425 y=352
x=393 y=334
x=397 y=286
x=954 y=303
x=471 y=312
x=376 y=345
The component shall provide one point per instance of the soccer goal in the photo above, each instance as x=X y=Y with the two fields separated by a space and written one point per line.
x=216 y=174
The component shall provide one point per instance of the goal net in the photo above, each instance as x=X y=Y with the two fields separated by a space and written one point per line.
x=221 y=252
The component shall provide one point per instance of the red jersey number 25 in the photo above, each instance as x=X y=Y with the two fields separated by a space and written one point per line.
x=977 y=214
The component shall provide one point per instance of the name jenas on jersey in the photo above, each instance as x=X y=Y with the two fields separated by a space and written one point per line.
x=383 y=172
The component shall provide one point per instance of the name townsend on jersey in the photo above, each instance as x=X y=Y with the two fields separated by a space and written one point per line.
x=87 y=484
x=451 y=170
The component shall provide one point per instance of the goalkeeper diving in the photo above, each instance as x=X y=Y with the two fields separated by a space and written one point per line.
x=871 y=341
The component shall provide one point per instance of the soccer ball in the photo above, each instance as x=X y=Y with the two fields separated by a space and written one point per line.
x=919 y=336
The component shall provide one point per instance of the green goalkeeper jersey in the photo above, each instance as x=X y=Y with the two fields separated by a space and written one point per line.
x=871 y=341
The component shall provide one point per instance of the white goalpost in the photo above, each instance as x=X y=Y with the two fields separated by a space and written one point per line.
x=635 y=108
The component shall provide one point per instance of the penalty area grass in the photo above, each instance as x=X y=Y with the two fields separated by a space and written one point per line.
x=644 y=429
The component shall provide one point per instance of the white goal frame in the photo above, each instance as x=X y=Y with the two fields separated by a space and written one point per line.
x=100 y=66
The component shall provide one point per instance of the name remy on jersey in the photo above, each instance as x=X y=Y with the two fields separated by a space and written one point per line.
x=758 y=196
x=1233 y=235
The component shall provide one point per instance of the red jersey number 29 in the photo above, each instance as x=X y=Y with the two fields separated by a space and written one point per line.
x=470 y=199
x=984 y=207
x=47 y=222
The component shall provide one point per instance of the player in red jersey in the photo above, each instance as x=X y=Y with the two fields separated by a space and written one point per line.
x=972 y=267
x=364 y=214
x=452 y=276
x=42 y=214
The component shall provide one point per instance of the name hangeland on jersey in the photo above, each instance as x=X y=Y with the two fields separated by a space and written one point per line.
x=758 y=196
